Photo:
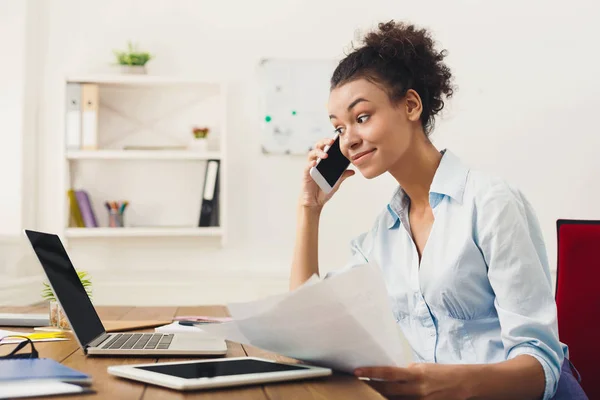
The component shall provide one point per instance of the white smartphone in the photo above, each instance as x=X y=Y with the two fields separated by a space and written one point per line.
x=329 y=170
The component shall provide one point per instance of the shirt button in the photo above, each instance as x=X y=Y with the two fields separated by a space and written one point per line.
x=432 y=333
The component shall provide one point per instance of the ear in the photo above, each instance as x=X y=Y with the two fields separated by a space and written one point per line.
x=414 y=106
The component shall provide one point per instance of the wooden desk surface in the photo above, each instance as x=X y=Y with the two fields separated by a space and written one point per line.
x=109 y=387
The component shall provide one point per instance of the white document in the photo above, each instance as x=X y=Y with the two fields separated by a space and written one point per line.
x=30 y=388
x=246 y=310
x=175 y=327
x=4 y=334
x=343 y=322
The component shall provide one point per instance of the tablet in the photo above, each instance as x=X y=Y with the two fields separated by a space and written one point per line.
x=216 y=373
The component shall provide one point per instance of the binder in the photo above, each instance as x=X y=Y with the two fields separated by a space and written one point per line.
x=39 y=369
x=209 y=210
x=214 y=221
x=85 y=207
x=89 y=120
x=75 y=213
x=73 y=117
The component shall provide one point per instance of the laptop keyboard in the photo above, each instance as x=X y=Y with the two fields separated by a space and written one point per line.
x=139 y=341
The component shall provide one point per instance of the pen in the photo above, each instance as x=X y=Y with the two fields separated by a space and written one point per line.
x=200 y=318
x=187 y=323
x=194 y=323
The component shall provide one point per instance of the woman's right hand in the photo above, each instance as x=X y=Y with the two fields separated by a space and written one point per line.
x=312 y=195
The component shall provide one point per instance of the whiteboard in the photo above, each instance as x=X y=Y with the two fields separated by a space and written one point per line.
x=294 y=96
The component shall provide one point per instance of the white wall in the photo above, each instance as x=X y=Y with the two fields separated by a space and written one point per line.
x=12 y=103
x=524 y=110
x=19 y=84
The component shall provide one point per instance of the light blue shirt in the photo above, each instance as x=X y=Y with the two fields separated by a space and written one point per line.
x=482 y=292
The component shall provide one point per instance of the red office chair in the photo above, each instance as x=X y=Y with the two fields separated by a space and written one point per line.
x=578 y=298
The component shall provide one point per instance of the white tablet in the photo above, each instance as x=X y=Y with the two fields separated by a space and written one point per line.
x=216 y=373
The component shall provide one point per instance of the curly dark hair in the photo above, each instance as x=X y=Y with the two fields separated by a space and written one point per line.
x=400 y=57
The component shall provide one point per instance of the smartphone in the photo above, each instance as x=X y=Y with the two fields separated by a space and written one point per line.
x=329 y=170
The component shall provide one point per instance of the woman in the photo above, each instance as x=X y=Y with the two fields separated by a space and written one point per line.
x=462 y=253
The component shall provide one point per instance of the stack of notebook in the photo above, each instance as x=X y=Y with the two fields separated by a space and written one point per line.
x=40 y=377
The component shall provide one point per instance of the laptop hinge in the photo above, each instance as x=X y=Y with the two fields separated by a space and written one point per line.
x=96 y=342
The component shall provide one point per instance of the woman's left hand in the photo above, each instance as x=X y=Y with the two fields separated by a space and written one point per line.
x=418 y=381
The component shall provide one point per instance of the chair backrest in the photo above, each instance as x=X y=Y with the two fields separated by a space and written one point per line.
x=578 y=297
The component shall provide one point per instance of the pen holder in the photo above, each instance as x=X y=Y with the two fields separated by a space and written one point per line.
x=115 y=219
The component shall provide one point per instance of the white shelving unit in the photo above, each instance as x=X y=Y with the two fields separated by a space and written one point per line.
x=112 y=163
x=142 y=155
x=142 y=232
x=138 y=80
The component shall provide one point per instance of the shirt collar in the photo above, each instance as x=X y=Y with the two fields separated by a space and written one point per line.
x=449 y=180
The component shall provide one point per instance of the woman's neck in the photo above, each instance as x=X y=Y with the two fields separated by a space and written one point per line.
x=415 y=170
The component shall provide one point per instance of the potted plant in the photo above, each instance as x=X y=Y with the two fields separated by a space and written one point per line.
x=132 y=61
x=200 y=138
x=57 y=315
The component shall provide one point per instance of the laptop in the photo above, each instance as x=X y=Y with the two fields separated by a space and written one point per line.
x=86 y=324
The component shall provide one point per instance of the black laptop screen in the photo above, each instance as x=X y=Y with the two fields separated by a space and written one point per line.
x=67 y=287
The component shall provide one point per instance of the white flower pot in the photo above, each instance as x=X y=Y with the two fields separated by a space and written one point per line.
x=198 y=144
x=133 y=69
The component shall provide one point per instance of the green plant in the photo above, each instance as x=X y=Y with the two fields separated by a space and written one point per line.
x=132 y=56
x=84 y=277
x=200 y=133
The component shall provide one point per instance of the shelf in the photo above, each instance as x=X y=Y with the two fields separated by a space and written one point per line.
x=142 y=232
x=148 y=149
x=142 y=155
x=148 y=80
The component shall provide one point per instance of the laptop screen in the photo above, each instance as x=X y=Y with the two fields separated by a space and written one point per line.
x=67 y=287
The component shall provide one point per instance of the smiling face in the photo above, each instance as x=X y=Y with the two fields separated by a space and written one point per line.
x=375 y=134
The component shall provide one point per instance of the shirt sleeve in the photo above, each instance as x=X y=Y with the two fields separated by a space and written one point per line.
x=512 y=244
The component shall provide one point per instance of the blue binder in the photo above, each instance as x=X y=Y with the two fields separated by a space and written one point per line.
x=12 y=370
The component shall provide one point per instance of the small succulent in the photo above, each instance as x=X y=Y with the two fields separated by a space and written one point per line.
x=200 y=133
x=132 y=56
x=84 y=277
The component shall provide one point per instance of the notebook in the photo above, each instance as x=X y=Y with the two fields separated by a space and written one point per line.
x=24 y=319
x=12 y=370
x=19 y=389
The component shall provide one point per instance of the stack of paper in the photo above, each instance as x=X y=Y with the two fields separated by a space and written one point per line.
x=175 y=327
x=34 y=337
x=13 y=390
x=343 y=322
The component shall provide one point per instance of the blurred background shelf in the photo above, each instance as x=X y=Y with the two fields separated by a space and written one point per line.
x=142 y=155
x=143 y=232
x=136 y=80
x=139 y=147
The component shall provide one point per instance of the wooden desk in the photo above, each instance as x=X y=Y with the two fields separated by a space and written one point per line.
x=110 y=387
